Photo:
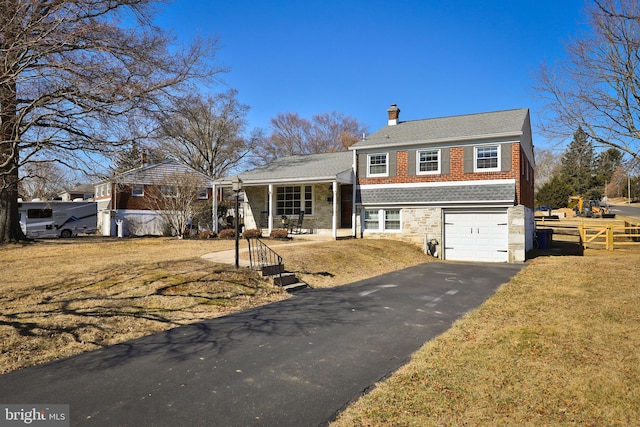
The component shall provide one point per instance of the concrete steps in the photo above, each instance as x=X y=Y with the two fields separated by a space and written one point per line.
x=280 y=277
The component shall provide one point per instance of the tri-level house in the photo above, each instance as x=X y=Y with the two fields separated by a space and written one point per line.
x=463 y=182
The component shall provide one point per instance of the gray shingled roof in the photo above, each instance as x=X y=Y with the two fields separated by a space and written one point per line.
x=508 y=122
x=492 y=193
x=310 y=167
x=159 y=173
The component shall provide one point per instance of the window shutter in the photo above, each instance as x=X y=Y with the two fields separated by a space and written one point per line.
x=505 y=157
x=411 y=159
x=445 y=168
x=393 y=163
x=362 y=165
x=468 y=160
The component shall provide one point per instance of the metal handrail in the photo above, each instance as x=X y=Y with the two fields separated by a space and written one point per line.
x=261 y=256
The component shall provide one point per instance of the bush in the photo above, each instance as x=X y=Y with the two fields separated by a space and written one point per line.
x=252 y=233
x=227 y=233
x=207 y=234
x=279 y=233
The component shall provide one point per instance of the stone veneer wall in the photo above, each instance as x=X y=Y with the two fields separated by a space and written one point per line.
x=419 y=225
x=521 y=232
x=321 y=220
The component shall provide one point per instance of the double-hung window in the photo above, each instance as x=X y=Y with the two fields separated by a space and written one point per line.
x=378 y=164
x=381 y=220
x=137 y=190
x=487 y=158
x=428 y=162
x=291 y=200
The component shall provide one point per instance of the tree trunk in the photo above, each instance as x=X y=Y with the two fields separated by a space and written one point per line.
x=10 y=230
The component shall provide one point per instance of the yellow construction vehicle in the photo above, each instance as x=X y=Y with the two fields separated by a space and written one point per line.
x=589 y=208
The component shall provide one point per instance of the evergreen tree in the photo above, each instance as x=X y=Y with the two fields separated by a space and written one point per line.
x=578 y=164
x=554 y=193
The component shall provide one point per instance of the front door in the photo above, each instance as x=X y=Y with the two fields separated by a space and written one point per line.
x=346 y=205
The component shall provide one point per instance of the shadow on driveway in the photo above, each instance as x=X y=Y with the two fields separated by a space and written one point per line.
x=296 y=362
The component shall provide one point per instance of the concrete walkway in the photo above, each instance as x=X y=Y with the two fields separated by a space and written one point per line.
x=229 y=257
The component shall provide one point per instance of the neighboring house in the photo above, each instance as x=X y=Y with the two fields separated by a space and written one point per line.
x=128 y=198
x=465 y=181
x=80 y=192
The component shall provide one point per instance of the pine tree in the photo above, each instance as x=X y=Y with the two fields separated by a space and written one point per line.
x=578 y=164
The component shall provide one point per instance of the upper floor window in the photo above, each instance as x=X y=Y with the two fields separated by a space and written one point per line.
x=378 y=164
x=487 y=158
x=428 y=162
x=137 y=190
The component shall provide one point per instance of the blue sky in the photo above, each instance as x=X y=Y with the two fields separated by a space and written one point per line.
x=431 y=58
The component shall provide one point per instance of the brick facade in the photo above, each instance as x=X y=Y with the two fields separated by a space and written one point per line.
x=521 y=171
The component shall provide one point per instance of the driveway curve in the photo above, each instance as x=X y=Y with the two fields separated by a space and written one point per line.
x=296 y=362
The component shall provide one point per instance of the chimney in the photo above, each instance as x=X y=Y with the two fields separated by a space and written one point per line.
x=394 y=114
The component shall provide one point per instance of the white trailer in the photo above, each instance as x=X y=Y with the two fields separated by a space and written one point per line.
x=58 y=219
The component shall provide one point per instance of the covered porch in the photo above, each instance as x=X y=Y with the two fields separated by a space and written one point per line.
x=309 y=195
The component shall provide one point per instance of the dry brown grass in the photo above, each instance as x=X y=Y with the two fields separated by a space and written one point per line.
x=62 y=297
x=339 y=262
x=558 y=345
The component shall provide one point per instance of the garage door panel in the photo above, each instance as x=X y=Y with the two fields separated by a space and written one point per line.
x=476 y=236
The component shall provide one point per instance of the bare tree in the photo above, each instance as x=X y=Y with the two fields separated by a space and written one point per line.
x=207 y=134
x=324 y=133
x=71 y=73
x=547 y=166
x=176 y=198
x=598 y=87
x=43 y=180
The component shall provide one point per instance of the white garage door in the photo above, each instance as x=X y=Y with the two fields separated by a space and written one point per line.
x=476 y=236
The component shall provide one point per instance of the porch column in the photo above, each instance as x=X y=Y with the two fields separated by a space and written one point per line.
x=335 y=210
x=270 y=196
x=214 y=209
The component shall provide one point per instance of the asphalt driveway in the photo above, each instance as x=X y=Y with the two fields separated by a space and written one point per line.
x=293 y=363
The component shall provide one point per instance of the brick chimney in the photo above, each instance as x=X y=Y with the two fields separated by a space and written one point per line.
x=394 y=114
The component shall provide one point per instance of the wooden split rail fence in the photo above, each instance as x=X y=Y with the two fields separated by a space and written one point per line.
x=595 y=233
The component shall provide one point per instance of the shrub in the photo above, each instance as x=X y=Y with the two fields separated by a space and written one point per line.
x=227 y=233
x=252 y=233
x=207 y=234
x=279 y=233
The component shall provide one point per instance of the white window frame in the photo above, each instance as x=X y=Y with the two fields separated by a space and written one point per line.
x=382 y=221
x=203 y=194
x=439 y=161
x=475 y=158
x=137 y=190
x=280 y=210
x=386 y=164
x=169 y=191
